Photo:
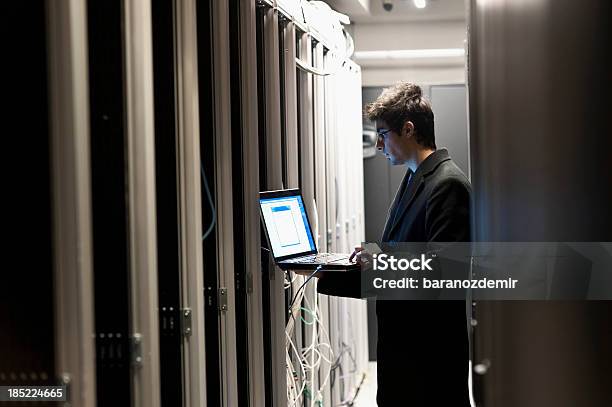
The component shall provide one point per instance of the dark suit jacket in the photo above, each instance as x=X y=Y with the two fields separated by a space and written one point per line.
x=422 y=345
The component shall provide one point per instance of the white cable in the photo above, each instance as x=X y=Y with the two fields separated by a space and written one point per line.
x=314 y=364
x=311 y=357
x=289 y=280
x=292 y=345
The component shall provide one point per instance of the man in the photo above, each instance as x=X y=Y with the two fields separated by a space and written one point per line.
x=422 y=345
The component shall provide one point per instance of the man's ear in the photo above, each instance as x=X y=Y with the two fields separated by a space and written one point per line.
x=408 y=128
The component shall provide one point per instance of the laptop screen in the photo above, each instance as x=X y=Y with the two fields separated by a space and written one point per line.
x=286 y=224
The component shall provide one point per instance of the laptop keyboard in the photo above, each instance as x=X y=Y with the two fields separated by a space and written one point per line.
x=322 y=258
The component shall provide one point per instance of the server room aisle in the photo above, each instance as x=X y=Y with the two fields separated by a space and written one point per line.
x=148 y=129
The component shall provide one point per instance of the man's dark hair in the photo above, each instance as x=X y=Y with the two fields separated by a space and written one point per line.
x=401 y=103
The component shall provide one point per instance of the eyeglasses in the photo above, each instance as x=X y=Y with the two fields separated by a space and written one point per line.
x=383 y=134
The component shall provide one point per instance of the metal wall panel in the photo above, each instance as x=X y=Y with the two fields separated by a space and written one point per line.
x=449 y=106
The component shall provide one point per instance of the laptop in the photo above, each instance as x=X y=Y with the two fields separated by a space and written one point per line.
x=290 y=235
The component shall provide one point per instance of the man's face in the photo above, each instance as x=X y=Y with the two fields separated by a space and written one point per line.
x=394 y=146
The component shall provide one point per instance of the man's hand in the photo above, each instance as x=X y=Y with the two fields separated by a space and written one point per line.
x=361 y=256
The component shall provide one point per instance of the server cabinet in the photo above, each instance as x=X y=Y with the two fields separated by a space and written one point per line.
x=306 y=333
x=28 y=337
x=238 y=180
x=46 y=301
x=245 y=190
x=218 y=237
x=71 y=198
x=223 y=184
x=178 y=194
x=179 y=204
x=123 y=188
x=109 y=206
x=139 y=116
x=167 y=216
x=271 y=178
x=207 y=143
x=288 y=37
x=252 y=230
x=541 y=171
x=320 y=199
x=190 y=176
x=296 y=151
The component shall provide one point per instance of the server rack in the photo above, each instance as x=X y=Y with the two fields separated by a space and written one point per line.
x=27 y=302
x=190 y=178
x=305 y=162
x=167 y=196
x=271 y=172
x=139 y=113
x=109 y=205
x=245 y=188
x=560 y=352
x=224 y=203
x=71 y=197
x=180 y=148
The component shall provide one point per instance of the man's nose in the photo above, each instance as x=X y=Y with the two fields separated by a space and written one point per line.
x=379 y=144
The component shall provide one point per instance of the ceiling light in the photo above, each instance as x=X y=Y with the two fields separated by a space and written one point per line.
x=420 y=3
x=410 y=53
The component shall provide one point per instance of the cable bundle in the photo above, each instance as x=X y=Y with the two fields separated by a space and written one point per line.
x=302 y=365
